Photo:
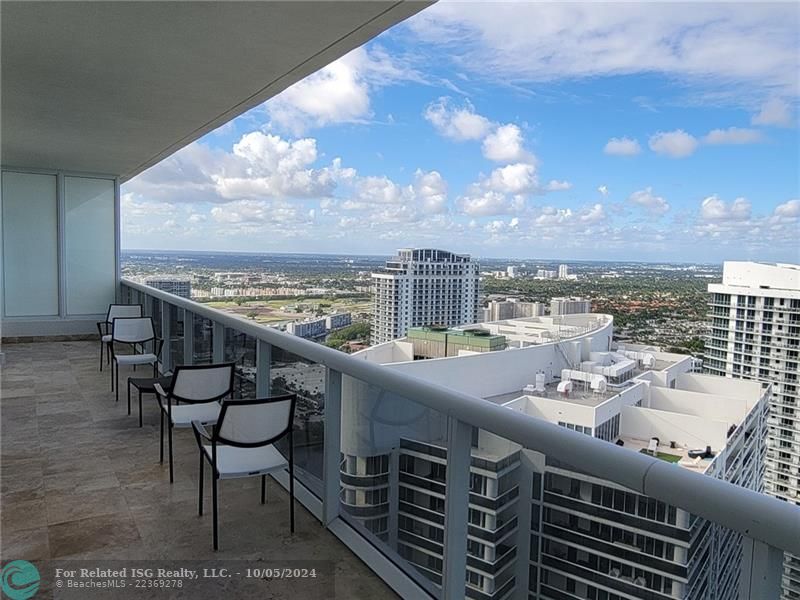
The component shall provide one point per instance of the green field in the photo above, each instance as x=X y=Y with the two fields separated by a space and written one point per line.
x=271 y=312
x=671 y=458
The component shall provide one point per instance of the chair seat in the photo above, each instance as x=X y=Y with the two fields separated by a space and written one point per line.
x=106 y=338
x=146 y=385
x=135 y=359
x=242 y=462
x=183 y=414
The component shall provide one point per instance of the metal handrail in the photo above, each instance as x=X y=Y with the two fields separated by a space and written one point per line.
x=758 y=516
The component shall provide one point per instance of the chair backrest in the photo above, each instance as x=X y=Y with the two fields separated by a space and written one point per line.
x=132 y=330
x=123 y=310
x=202 y=383
x=252 y=423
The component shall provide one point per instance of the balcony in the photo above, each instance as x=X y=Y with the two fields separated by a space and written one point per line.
x=82 y=481
x=123 y=505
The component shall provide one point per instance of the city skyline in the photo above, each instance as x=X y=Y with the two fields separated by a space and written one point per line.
x=657 y=148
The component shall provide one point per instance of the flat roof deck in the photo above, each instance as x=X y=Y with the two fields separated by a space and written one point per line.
x=81 y=481
x=682 y=454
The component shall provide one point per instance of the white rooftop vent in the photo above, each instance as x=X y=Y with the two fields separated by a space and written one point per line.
x=565 y=387
x=599 y=384
x=540 y=382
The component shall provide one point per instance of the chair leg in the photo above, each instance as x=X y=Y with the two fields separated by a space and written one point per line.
x=108 y=354
x=116 y=382
x=214 y=503
x=161 y=455
x=140 y=408
x=291 y=497
x=171 y=477
x=200 y=487
x=111 y=374
x=101 y=355
x=263 y=489
x=129 y=398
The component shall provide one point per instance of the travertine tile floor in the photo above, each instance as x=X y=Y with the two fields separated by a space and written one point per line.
x=81 y=480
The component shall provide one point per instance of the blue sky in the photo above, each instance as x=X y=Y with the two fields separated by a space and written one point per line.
x=660 y=132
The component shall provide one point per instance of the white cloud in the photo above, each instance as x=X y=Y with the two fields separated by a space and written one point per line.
x=490 y=202
x=790 y=209
x=603 y=189
x=645 y=198
x=736 y=48
x=733 y=135
x=513 y=179
x=554 y=185
x=775 y=112
x=457 y=123
x=715 y=209
x=622 y=147
x=675 y=144
x=505 y=144
x=337 y=93
x=430 y=189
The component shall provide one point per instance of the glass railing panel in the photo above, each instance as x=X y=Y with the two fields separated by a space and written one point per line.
x=156 y=314
x=290 y=373
x=176 y=333
x=393 y=470
x=240 y=349
x=203 y=349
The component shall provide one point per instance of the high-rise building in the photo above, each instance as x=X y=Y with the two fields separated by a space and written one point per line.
x=755 y=334
x=538 y=527
x=421 y=287
x=497 y=310
x=173 y=285
x=309 y=328
x=570 y=306
x=563 y=271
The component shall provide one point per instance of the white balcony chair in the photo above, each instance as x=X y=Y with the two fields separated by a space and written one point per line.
x=242 y=445
x=133 y=331
x=194 y=396
x=104 y=327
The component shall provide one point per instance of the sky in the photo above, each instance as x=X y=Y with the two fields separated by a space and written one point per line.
x=628 y=131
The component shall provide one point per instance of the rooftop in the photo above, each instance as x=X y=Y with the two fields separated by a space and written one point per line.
x=80 y=480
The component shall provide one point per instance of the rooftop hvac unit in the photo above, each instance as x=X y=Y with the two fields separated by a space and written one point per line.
x=599 y=384
x=540 y=382
x=564 y=387
x=648 y=360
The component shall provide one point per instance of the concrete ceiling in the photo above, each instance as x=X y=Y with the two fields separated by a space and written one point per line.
x=115 y=87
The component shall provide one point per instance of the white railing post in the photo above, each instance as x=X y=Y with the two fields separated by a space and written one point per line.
x=263 y=365
x=331 y=446
x=456 y=509
x=762 y=568
x=218 y=342
x=166 y=335
x=188 y=337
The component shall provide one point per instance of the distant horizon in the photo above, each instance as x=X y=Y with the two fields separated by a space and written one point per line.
x=494 y=258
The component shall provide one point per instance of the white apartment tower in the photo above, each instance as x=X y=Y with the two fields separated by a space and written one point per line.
x=570 y=306
x=755 y=334
x=536 y=526
x=424 y=287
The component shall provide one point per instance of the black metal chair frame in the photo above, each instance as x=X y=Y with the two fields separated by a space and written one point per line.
x=144 y=390
x=201 y=434
x=158 y=344
x=169 y=396
x=104 y=328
